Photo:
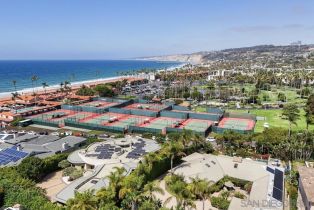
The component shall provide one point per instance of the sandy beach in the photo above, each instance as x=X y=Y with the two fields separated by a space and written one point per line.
x=76 y=85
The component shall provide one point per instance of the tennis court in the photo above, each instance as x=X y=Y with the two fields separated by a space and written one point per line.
x=162 y=122
x=131 y=120
x=103 y=119
x=59 y=116
x=99 y=104
x=195 y=125
x=151 y=107
x=237 y=123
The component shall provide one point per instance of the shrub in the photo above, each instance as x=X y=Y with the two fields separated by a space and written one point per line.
x=147 y=135
x=68 y=171
x=1 y=196
x=52 y=163
x=64 y=164
x=85 y=91
x=239 y=195
x=178 y=101
x=220 y=202
x=32 y=168
x=73 y=173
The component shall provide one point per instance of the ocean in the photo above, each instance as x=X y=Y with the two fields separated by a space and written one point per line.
x=55 y=72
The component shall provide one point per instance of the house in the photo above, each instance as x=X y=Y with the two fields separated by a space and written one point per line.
x=306 y=187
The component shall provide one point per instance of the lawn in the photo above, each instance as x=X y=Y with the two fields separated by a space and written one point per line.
x=273 y=117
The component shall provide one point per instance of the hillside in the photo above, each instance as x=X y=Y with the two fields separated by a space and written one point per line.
x=244 y=53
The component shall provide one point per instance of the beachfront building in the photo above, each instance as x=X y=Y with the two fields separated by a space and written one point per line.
x=306 y=188
x=267 y=191
x=99 y=159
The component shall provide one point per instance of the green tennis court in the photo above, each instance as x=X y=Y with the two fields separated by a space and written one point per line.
x=130 y=120
x=196 y=125
x=237 y=123
x=162 y=122
x=102 y=118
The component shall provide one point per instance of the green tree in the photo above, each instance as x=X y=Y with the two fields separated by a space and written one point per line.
x=151 y=188
x=200 y=188
x=309 y=110
x=83 y=201
x=104 y=90
x=45 y=85
x=291 y=112
x=32 y=168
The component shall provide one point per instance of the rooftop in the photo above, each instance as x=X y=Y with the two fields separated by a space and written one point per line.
x=105 y=156
x=213 y=168
x=307 y=178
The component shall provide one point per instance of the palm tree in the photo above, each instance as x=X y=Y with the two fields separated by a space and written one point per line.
x=45 y=85
x=151 y=188
x=172 y=150
x=131 y=189
x=14 y=96
x=34 y=79
x=180 y=191
x=200 y=188
x=291 y=112
x=83 y=201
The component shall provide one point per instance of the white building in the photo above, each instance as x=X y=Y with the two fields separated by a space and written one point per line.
x=99 y=159
x=268 y=184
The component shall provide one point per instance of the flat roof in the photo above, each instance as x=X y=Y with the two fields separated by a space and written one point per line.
x=41 y=140
x=57 y=145
x=213 y=168
x=23 y=138
x=307 y=179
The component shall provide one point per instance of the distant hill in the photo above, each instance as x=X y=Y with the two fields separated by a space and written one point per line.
x=243 y=53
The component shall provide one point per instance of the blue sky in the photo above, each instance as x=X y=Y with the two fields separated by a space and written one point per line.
x=112 y=29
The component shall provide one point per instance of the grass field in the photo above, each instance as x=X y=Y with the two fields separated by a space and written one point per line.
x=290 y=93
x=274 y=118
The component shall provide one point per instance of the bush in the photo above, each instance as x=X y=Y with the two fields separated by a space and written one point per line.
x=178 y=101
x=1 y=196
x=85 y=91
x=104 y=90
x=52 y=163
x=32 y=168
x=68 y=171
x=147 y=135
x=239 y=195
x=64 y=164
x=73 y=173
x=23 y=191
x=220 y=203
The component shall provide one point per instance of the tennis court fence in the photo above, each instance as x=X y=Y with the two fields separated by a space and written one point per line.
x=138 y=129
x=180 y=108
x=172 y=114
x=240 y=115
x=211 y=117
x=180 y=130
x=222 y=130
x=92 y=126
x=46 y=122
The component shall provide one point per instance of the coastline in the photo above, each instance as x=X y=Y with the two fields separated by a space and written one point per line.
x=75 y=85
x=4 y=96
